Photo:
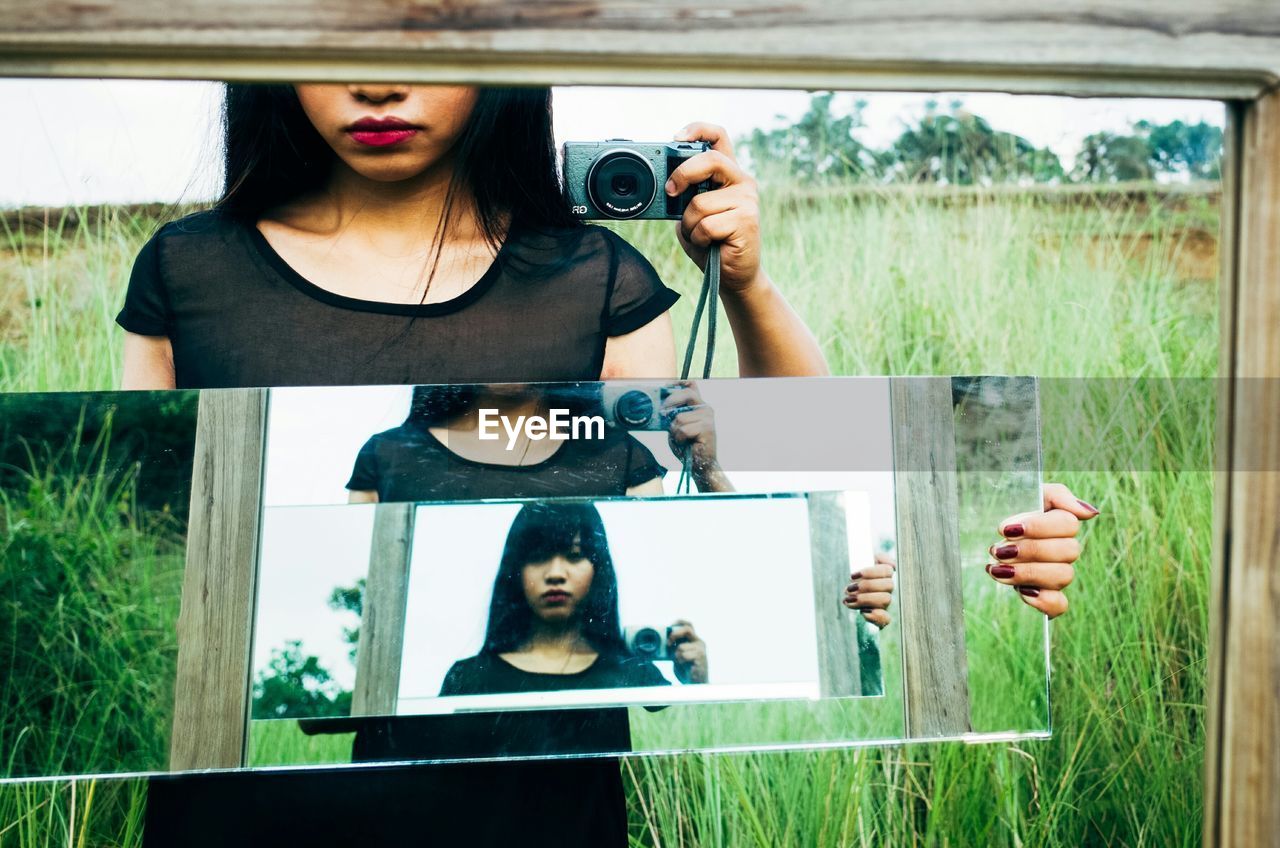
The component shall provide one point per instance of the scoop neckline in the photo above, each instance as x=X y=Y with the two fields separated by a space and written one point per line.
x=457 y=457
x=444 y=307
x=510 y=664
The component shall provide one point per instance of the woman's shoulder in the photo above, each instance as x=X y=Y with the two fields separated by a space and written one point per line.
x=201 y=224
x=638 y=671
x=543 y=244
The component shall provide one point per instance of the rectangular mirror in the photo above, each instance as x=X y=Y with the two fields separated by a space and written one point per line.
x=354 y=622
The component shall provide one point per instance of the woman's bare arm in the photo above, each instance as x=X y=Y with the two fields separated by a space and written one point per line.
x=148 y=363
x=362 y=496
x=648 y=353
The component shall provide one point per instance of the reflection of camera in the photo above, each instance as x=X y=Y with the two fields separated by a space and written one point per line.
x=624 y=179
x=649 y=643
x=633 y=407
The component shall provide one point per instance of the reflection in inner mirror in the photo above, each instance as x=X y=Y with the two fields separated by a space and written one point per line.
x=564 y=603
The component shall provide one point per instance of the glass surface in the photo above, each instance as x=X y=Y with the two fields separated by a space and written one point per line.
x=96 y=491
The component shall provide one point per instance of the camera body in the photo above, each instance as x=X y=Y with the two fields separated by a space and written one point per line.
x=619 y=179
x=648 y=643
x=632 y=407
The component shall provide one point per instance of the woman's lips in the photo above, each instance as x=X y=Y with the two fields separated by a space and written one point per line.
x=382 y=138
x=384 y=132
x=555 y=597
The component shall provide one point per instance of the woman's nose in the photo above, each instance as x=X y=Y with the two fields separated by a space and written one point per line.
x=378 y=92
x=555 y=572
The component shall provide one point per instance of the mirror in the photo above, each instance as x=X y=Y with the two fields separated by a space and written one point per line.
x=105 y=480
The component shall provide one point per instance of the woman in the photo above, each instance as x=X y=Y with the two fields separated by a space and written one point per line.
x=553 y=618
x=374 y=233
x=416 y=234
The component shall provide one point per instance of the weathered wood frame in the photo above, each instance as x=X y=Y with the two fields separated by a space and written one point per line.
x=1223 y=49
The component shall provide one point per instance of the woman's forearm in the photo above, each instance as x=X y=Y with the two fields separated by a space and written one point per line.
x=771 y=338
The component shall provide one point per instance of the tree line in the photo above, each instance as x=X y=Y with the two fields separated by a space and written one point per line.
x=956 y=147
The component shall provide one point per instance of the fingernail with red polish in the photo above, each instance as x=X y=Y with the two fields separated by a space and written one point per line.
x=1087 y=506
x=855 y=575
x=1006 y=552
x=852 y=588
x=1000 y=572
x=1013 y=531
x=1029 y=591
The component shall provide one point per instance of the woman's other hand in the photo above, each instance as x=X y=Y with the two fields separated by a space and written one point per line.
x=728 y=213
x=1038 y=549
x=689 y=651
x=871 y=591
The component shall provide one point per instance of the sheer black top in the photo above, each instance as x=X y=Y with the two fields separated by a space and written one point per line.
x=408 y=463
x=238 y=315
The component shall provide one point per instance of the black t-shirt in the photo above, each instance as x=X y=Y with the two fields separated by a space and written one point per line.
x=237 y=315
x=408 y=463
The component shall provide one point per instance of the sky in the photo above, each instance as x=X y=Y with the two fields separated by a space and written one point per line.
x=116 y=141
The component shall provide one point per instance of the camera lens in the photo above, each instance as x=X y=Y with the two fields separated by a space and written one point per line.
x=621 y=184
x=634 y=408
x=647 y=642
x=624 y=185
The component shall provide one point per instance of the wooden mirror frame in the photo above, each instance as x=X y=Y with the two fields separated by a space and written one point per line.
x=1220 y=49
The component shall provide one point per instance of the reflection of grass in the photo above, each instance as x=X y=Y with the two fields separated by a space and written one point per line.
x=279 y=742
x=898 y=285
x=89 y=587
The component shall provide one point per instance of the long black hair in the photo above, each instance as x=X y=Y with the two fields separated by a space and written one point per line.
x=539 y=532
x=505 y=157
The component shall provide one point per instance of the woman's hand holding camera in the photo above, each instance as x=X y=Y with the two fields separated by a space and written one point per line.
x=728 y=213
x=772 y=341
x=691 y=431
x=1039 y=549
x=871 y=591
x=689 y=652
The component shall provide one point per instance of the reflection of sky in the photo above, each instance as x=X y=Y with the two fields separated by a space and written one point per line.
x=314 y=434
x=738 y=569
x=96 y=141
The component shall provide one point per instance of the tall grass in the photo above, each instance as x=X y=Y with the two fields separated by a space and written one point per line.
x=89 y=583
x=898 y=284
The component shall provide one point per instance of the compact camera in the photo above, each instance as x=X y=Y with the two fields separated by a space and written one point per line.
x=634 y=407
x=621 y=179
x=649 y=643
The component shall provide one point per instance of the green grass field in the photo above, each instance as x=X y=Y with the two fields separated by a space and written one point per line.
x=1094 y=287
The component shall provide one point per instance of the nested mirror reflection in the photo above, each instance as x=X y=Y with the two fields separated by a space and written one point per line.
x=419 y=628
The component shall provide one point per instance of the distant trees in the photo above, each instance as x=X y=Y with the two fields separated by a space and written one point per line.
x=296 y=685
x=957 y=147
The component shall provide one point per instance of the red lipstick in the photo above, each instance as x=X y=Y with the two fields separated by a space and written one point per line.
x=381 y=132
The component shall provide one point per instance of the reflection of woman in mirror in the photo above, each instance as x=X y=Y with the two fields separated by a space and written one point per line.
x=437 y=453
x=553 y=619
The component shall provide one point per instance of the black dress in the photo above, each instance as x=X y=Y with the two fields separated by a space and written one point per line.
x=238 y=316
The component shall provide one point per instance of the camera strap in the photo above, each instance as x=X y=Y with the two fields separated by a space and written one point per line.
x=710 y=292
